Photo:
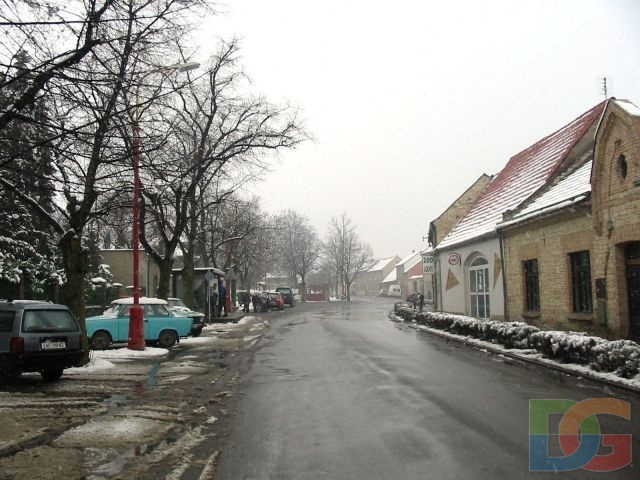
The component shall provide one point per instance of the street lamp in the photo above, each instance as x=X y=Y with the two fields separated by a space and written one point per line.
x=136 y=330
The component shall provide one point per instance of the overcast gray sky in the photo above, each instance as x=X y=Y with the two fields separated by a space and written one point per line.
x=410 y=102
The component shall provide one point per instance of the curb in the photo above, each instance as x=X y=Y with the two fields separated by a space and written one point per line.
x=515 y=356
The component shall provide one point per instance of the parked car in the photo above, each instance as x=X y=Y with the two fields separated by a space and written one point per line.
x=198 y=318
x=383 y=292
x=289 y=296
x=276 y=300
x=161 y=326
x=265 y=301
x=260 y=302
x=38 y=336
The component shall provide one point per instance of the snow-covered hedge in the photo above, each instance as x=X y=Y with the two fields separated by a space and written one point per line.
x=619 y=356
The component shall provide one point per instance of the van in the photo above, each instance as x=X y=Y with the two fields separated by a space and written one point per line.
x=395 y=291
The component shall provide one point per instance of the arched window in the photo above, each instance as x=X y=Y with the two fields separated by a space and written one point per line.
x=480 y=306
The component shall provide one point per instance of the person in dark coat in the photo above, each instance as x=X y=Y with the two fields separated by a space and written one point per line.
x=222 y=299
x=421 y=301
x=247 y=300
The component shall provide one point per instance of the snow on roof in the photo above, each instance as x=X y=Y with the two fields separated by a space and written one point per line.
x=143 y=301
x=628 y=107
x=407 y=259
x=523 y=175
x=392 y=277
x=380 y=264
x=412 y=262
x=566 y=192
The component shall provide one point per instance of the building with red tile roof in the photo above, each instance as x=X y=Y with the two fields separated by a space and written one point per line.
x=571 y=251
x=469 y=259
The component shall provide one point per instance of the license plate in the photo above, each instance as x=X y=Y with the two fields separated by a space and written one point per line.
x=53 y=345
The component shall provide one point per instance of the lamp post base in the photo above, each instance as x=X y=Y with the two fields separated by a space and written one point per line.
x=136 y=332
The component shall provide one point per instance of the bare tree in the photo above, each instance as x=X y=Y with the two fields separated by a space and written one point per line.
x=88 y=104
x=298 y=245
x=346 y=253
x=218 y=136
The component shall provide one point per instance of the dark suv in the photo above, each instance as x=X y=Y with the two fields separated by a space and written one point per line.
x=288 y=295
x=40 y=337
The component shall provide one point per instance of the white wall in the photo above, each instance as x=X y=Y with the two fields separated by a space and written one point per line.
x=456 y=299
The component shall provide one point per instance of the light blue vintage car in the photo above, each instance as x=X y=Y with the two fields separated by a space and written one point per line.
x=161 y=327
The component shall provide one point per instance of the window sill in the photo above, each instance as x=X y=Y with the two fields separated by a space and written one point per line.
x=531 y=314
x=580 y=317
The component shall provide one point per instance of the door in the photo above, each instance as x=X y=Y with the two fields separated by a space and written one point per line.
x=479 y=288
x=632 y=258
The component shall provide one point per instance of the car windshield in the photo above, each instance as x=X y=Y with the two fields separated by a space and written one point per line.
x=48 y=321
x=176 y=302
x=274 y=295
x=112 y=311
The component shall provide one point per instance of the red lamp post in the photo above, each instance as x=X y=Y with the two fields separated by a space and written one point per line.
x=136 y=330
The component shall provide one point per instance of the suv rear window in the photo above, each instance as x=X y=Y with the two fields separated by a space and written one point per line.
x=6 y=320
x=45 y=321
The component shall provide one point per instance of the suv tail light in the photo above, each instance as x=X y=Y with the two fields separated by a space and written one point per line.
x=16 y=345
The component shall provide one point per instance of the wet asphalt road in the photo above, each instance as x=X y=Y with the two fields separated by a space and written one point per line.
x=338 y=391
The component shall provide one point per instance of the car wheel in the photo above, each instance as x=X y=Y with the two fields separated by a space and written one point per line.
x=100 y=340
x=51 y=374
x=167 y=339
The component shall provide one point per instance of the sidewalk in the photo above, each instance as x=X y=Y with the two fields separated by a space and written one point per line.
x=532 y=357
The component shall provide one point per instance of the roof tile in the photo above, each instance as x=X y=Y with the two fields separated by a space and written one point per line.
x=523 y=175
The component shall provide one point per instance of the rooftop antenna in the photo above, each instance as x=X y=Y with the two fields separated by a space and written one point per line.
x=604 y=87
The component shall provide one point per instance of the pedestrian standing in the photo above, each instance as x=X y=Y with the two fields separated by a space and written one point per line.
x=421 y=301
x=247 y=300
x=213 y=302
x=415 y=300
x=222 y=299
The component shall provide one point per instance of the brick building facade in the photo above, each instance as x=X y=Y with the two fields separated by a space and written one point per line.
x=572 y=254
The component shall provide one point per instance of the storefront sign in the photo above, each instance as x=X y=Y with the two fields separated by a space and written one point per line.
x=454 y=259
x=427 y=263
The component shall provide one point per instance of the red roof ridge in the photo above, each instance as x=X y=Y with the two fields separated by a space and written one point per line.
x=523 y=175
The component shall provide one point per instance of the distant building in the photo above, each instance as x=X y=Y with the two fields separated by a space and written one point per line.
x=121 y=262
x=404 y=274
x=370 y=281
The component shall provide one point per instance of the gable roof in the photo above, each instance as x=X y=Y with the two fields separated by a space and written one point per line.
x=392 y=277
x=380 y=264
x=522 y=176
x=412 y=256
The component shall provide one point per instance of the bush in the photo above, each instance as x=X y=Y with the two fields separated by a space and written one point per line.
x=621 y=357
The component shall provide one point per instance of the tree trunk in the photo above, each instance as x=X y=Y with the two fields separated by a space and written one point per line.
x=75 y=267
x=187 y=278
x=165 y=277
x=303 y=289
